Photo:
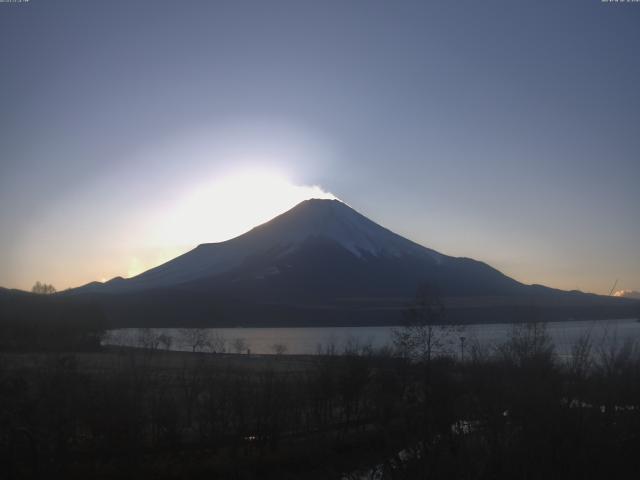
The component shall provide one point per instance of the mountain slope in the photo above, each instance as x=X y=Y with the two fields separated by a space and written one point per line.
x=328 y=229
x=320 y=262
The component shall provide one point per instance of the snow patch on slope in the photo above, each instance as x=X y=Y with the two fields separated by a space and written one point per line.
x=333 y=220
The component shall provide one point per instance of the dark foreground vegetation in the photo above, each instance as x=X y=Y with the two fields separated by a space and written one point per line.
x=513 y=412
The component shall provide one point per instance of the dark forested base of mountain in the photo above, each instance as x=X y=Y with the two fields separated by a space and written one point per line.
x=514 y=413
x=187 y=309
x=31 y=322
x=64 y=322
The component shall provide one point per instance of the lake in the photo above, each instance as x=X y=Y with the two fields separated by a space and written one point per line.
x=310 y=340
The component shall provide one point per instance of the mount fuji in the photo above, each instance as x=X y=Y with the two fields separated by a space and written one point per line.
x=323 y=263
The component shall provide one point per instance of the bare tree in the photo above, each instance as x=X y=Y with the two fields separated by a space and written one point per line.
x=216 y=343
x=528 y=344
x=165 y=340
x=148 y=338
x=329 y=348
x=355 y=346
x=196 y=338
x=239 y=345
x=43 y=288
x=426 y=330
x=190 y=379
x=581 y=360
x=279 y=348
x=615 y=353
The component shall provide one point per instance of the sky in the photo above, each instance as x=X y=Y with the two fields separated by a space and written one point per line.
x=508 y=132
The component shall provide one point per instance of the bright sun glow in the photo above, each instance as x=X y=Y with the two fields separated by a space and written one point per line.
x=230 y=206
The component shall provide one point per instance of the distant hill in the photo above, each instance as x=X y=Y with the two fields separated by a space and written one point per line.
x=323 y=263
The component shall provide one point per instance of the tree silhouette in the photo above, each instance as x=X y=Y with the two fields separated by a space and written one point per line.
x=426 y=330
x=196 y=338
x=239 y=345
x=43 y=288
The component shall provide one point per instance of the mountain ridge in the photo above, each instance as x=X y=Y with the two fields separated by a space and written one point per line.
x=323 y=263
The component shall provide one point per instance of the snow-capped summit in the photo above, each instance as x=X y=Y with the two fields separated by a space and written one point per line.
x=336 y=221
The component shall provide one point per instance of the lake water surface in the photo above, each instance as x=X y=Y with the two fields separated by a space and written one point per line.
x=308 y=340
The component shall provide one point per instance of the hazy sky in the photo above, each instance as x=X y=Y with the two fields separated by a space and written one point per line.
x=507 y=131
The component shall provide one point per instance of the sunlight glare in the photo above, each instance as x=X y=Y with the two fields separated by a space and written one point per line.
x=230 y=206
